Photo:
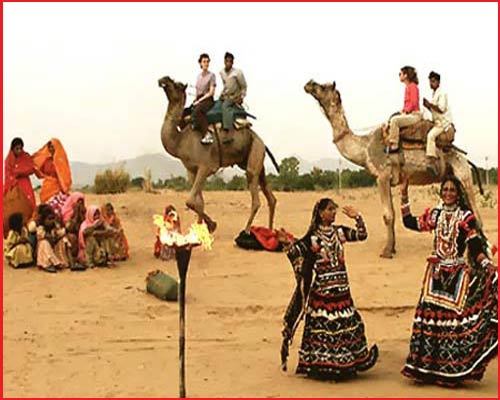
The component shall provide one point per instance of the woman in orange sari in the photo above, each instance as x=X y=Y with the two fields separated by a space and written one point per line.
x=18 y=168
x=53 y=168
x=120 y=243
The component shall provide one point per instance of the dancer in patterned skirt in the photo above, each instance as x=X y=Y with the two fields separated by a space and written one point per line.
x=334 y=343
x=455 y=325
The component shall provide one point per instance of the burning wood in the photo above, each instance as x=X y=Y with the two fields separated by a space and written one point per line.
x=198 y=234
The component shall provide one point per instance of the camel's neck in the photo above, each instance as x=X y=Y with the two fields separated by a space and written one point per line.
x=170 y=135
x=350 y=145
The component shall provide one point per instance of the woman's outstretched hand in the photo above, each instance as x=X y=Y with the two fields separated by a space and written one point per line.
x=282 y=236
x=404 y=187
x=350 y=211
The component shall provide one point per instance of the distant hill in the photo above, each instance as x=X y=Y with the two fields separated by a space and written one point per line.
x=164 y=166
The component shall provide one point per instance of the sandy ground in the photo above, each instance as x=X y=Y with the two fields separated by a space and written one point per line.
x=98 y=334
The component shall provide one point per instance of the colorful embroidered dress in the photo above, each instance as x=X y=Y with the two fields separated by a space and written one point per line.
x=455 y=325
x=334 y=343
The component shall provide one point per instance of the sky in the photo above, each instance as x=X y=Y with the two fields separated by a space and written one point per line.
x=87 y=73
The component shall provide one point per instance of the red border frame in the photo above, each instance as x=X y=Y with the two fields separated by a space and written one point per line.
x=130 y=1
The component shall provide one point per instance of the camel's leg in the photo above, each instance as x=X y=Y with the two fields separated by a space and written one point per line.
x=255 y=165
x=191 y=176
x=271 y=199
x=211 y=224
x=462 y=171
x=384 y=186
x=195 y=201
x=253 y=186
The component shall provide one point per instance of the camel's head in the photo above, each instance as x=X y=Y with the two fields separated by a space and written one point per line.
x=326 y=94
x=175 y=91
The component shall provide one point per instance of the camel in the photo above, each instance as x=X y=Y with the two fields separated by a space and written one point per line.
x=367 y=152
x=246 y=150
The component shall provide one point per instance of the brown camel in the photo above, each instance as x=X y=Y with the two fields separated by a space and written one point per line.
x=367 y=152
x=246 y=150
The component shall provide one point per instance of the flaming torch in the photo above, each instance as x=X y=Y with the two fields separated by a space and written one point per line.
x=198 y=235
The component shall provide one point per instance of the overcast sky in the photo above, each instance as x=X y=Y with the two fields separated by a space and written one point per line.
x=87 y=73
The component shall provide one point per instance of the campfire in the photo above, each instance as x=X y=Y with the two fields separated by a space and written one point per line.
x=169 y=235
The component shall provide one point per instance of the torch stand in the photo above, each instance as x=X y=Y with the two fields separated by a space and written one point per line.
x=182 y=256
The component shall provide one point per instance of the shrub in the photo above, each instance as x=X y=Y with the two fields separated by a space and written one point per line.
x=112 y=181
x=177 y=183
x=215 y=183
x=237 y=183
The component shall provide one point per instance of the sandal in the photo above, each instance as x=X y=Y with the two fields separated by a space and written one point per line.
x=78 y=267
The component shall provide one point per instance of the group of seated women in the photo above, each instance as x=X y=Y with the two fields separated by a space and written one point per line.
x=62 y=231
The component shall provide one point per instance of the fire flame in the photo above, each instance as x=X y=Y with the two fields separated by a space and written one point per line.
x=198 y=234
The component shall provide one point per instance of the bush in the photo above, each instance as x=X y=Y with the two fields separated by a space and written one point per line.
x=137 y=182
x=237 y=183
x=112 y=181
x=359 y=178
x=215 y=183
x=178 y=183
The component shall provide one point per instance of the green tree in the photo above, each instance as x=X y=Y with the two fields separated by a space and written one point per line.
x=359 y=178
x=237 y=183
x=215 y=183
x=305 y=182
x=177 y=183
x=289 y=173
x=137 y=182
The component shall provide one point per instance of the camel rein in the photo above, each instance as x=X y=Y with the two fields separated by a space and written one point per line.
x=341 y=136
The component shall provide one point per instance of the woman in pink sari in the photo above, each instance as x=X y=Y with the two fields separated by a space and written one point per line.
x=95 y=239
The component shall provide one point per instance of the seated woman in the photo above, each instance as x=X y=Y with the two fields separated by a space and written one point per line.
x=17 y=246
x=95 y=239
x=53 y=168
x=120 y=244
x=73 y=215
x=205 y=90
x=410 y=114
x=171 y=223
x=53 y=248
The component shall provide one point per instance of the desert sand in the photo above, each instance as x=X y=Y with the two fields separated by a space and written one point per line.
x=99 y=334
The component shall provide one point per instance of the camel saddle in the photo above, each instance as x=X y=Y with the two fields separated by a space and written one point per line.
x=214 y=117
x=414 y=137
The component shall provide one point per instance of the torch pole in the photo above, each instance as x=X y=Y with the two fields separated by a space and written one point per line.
x=182 y=256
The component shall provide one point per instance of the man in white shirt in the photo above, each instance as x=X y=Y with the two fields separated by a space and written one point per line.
x=441 y=116
x=234 y=91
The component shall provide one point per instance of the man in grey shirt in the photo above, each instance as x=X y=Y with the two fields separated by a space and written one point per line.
x=234 y=91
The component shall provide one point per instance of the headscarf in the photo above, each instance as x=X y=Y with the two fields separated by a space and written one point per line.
x=51 y=185
x=463 y=202
x=172 y=217
x=295 y=309
x=114 y=221
x=316 y=218
x=89 y=222
x=67 y=208
x=17 y=172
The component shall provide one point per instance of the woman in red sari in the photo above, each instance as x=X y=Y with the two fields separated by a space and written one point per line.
x=18 y=168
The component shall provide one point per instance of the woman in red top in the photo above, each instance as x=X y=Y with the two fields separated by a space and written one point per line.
x=18 y=168
x=410 y=114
